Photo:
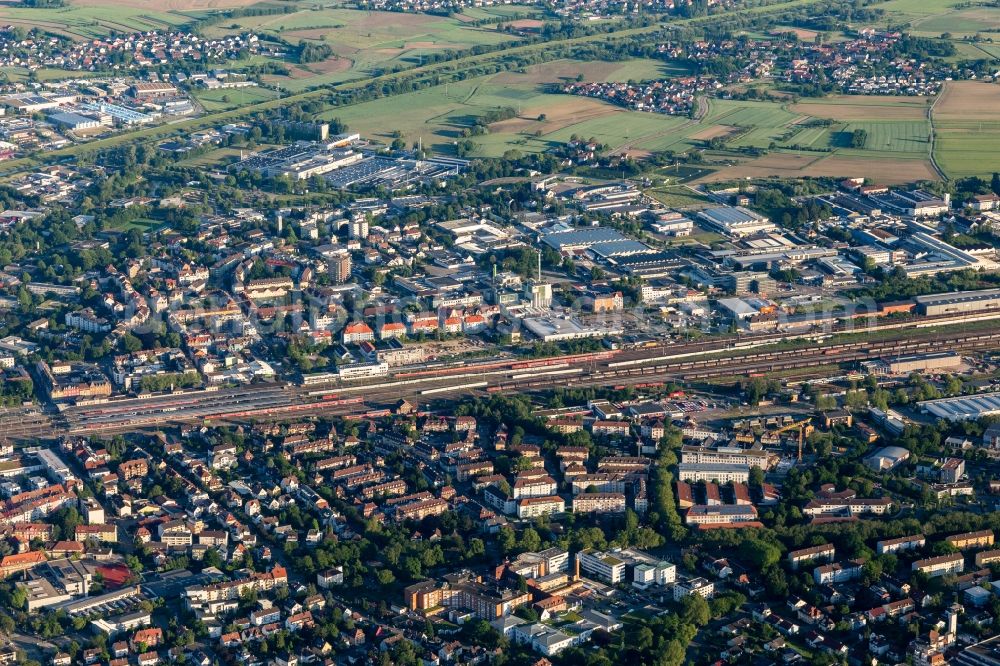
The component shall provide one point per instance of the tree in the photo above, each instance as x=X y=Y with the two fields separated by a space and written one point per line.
x=530 y=540
x=131 y=343
x=859 y=138
x=775 y=582
x=476 y=548
x=995 y=183
x=643 y=640
x=313 y=52
x=825 y=403
x=695 y=610
x=761 y=554
x=18 y=598
x=674 y=654
x=856 y=400
x=724 y=604
x=527 y=613
x=66 y=521
x=758 y=387
x=507 y=539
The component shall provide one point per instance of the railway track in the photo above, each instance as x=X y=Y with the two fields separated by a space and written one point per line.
x=283 y=401
x=842 y=354
x=760 y=363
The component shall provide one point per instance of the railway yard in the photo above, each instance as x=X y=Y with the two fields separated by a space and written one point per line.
x=685 y=362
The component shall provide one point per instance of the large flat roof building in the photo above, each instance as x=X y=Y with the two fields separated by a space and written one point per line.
x=918 y=203
x=74 y=121
x=986 y=653
x=581 y=239
x=942 y=257
x=959 y=302
x=735 y=221
x=963 y=408
x=554 y=329
x=935 y=362
x=601 y=242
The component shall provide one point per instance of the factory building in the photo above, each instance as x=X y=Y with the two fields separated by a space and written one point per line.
x=904 y=365
x=735 y=221
x=959 y=302
x=963 y=408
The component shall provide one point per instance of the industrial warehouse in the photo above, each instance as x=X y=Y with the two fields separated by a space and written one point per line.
x=964 y=408
x=959 y=302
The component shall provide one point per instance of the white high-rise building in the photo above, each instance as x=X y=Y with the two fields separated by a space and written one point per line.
x=358 y=228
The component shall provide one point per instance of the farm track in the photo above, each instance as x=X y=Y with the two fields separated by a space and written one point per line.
x=932 y=138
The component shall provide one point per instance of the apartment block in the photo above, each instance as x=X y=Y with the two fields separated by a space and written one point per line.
x=941 y=565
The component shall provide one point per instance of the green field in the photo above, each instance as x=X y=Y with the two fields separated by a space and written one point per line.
x=967 y=129
x=499 y=11
x=916 y=9
x=213 y=158
x=222 y=99
x=747 y=114
x=969 y=150
x=811 y=137
x=937 y=17
x=438 y=115
x=768 y=122
x=363 y=42
x=677 y=196
x=141 y=224
x=21 y=74
x=962 y=22
x=990 y=50
x=85 y=22
x=901 y=136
